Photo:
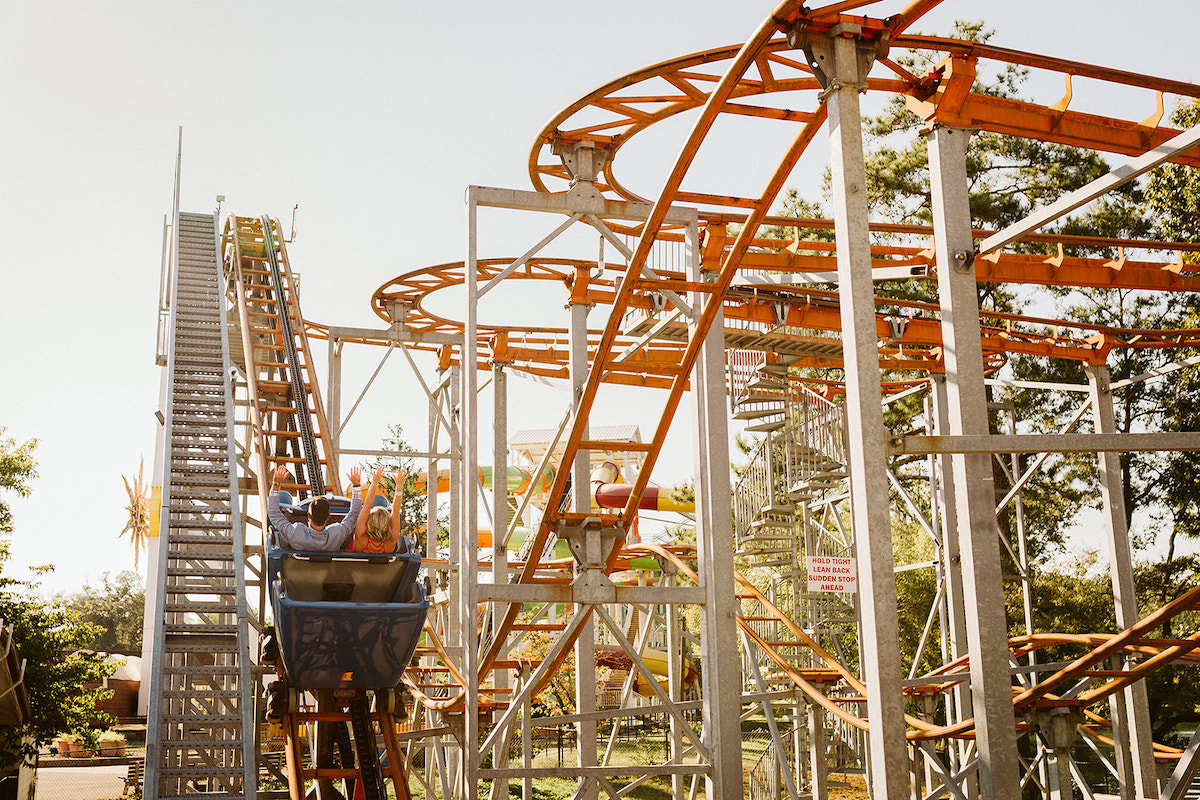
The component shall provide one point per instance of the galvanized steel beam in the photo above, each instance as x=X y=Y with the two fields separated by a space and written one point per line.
x=978 y=535
x=865 y=434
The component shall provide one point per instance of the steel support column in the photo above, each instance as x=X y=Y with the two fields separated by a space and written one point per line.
x=865 y=433
x=818 y=752
x=1120 y=565
x=674 y=684
x=500 y=678
x=721 y=677
x=581 y=502
x=978 y=534
x=959 y=707
x=333 y=395
x=467 y=544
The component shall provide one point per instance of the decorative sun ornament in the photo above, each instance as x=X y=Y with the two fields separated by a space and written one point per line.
x=138 y=525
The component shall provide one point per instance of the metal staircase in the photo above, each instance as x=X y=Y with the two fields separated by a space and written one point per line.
x=797 y=470
x=759 y=389
x=200 y=712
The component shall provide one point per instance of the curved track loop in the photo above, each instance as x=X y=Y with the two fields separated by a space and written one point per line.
x=631 y=104
x=543 y=350
x=453 y=701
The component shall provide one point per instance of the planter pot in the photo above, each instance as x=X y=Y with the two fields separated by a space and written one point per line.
x=78 y=751
x=63 y=746
x=112 y=749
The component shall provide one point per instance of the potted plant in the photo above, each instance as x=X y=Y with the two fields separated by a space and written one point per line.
x=112 y=744
x=64 y=743
x=85 y=743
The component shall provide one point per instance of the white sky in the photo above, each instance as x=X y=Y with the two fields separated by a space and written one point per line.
x=373 y=118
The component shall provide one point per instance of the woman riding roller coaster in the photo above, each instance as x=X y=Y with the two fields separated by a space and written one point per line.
x=379 y=531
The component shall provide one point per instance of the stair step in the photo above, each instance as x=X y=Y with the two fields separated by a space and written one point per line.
x=210 y=405
x=774 y=368
x=200 y=435
x=204 y=694
x=204 y=744
x=202 y=524
x=766 y=382
x=196 y=514
x=203 y=555
x=199 y=608
x=214 y=480
x=192 y=669
x=200 y=572
x=199 y=493
x=226 y=645
x=766 y=538
x=757 y=413
x=198 y=588
x=773 y=522
x=201 y=539
x=194 y=380
x=199 y=771
x=222 y=630
x=196 y=471
x=203 y=720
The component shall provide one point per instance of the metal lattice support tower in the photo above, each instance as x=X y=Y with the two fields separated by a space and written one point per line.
x=200 y=702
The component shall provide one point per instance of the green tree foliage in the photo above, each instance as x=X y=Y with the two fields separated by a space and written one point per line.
x=46 y=634
x=1074 y=598
x=1173 y=194
x=915 y=592
x=557 y=696
x=17 y=468
x=115 y=608
x=1173 y=190
x=1174 y=691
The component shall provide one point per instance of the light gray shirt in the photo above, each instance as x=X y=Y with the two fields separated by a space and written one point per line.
x=298 y=536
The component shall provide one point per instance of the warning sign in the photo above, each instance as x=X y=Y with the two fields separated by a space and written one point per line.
x=829 y=574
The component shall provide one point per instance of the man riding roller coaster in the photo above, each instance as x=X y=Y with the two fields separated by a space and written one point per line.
x=376 y=532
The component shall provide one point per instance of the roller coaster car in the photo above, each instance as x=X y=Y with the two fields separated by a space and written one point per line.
x=346 y=620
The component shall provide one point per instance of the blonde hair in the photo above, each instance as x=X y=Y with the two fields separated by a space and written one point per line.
x=379 y=524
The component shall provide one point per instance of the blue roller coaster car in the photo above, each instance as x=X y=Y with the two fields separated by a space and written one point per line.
x=346 y=620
